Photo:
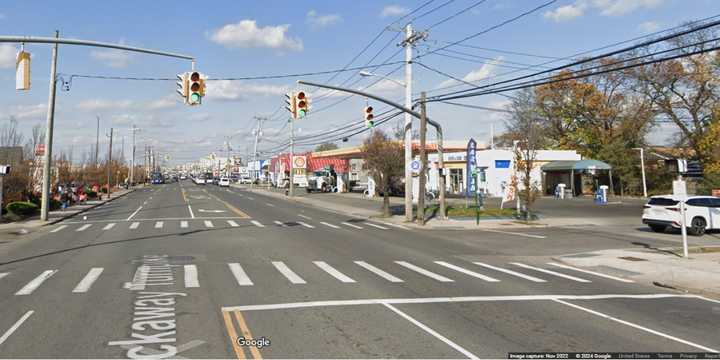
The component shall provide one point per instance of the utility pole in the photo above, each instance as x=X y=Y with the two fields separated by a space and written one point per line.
x=45 y=209
x=133 y=129
x=423 y=162
x=109 y=163
x=642 y=169
x=97 y=140
x=292 y=154
x=258 y=132
x=408 y=121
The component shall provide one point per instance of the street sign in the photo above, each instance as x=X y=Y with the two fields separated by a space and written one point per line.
x=471 y=163
x=679 y=188
x=22 y=71
x=40 y=150
x=299 y=162
x=415 y=166
x=4 y=169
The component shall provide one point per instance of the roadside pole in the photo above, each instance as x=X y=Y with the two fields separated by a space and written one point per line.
x=680 y=190
x=109 y=164
x=642 y=166
x=291 y=192
x=45 y=202
x=408 y=122
x=2 y=176
x=132 y=158
x=423 y=162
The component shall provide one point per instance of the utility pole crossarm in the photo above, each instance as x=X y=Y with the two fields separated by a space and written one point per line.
x=52 y=40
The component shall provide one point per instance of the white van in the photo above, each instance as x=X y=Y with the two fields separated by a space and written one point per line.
x=701 y=213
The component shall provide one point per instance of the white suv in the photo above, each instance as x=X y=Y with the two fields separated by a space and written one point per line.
x=701 y=213
x=224 y=181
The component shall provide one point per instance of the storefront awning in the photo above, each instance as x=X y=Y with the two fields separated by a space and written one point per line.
x=579 y=165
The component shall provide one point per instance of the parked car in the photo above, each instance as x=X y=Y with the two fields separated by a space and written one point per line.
x=702 y=213
x=199 y=180
x=245 y=180
x=224 y=181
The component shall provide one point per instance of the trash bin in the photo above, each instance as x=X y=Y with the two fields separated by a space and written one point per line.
x=603 y=194
x=561 y=191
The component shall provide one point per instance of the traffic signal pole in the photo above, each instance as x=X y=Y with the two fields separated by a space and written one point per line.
x=407 y=110
x=408 y=122
x=291 y=192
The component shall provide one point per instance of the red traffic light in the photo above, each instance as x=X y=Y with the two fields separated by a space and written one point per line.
x=195 y=76
x=368 y=109
x=302 y=104
x=301 y=95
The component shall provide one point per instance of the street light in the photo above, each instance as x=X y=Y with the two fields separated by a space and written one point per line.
x=642 y=168
x=368 y=74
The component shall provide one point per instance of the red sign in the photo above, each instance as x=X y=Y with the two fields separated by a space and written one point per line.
x=40 y=150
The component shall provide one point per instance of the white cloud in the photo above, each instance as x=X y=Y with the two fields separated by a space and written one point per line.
x=8 y=54
x=475 y=75
x=163 y=103
x=237 y=90
x=113 y=58
x=606 y=8
x=122 y=119
x=24 y=112
x=246 y=34
x=649 y=26
x=318 y=21
x=394 y=10
x=385 y=85
x=101 y=104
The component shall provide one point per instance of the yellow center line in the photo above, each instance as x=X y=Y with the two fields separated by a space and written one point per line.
x=239 y=353
x=247 y=334
x=239 y=212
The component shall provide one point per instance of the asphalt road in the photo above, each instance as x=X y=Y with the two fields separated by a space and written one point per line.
x=182 y=270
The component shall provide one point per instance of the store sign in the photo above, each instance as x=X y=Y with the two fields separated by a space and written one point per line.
x=299 y=162
x=502 y=164
x=471 y=163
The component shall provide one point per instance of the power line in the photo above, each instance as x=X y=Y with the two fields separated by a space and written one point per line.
x=509 y=52
x=456 y=14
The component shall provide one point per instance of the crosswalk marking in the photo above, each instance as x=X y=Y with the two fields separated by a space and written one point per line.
x=159 y=224
x=376 y=226
x=251 y=198
x=35 y=283
x=466 y=271
x=511 y=272
x=257 y=223
x=378 y=272
x=424 y=272
x=280 y=223
x=58 y=228
x=591 y=272
x=183 y=224
x=330 y=225
x=232 y=223
x=240 y=275
x=134 y=225
x=351 y=225
x=209 y=224
x=191 y=276
x=109 y=226
x=2 y=275
x=84 y=227
x=306 y=225
x=334 y=272
x=269 y=204
x=573 y=278
x=289 y=274
x=304 y=217
x=85 y=284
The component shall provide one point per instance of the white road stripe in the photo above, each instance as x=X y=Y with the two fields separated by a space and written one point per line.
x=396 y=225
x=209 y=224
x=36 y=282
x=133 y=214
x=15 y=326
x=351 y=225
x=269 y=204
x=514 y=273
x=333 y=271
x=591 y=272
x=573 y=278
x=306 y=225
x=192 y=215
x=191 y=276
x=432 y=332
x=109 y=226
x=376 y=226
x=134 y=225
x=85 y=284
x=289 y=274
x=280 y=223
x=183 y=224
x=159 y=224
x=232 y=223
x=257 y=223
x=84 y=227
x=251 y=198
x=466 y=271
x=378 y=272
x=424 y=272
x=304 y=217
x=240 y=275
x=330 y=225
x=58 y=228
x=516 y=233
x=701 y=347
x=2 y=275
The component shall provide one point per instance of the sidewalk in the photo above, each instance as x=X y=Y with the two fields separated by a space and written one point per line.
x=699 y=274
x=27 y=225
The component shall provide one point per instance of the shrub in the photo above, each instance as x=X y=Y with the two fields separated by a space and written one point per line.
x=91 y=194
x=54 y=204
x=22 y=208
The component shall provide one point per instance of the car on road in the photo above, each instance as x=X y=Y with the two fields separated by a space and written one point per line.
x=702 y=213
x=199 y=180
x=245 y=180
x=224 y=181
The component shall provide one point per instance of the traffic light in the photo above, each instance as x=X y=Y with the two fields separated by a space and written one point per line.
x=291 y=104
x=197 y=88
x=182 y=84
x=302 y=104
x=369 y=122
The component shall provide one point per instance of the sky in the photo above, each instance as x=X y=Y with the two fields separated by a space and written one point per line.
x=237 y=39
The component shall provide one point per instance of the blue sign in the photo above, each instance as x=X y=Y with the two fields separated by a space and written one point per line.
x=502 y=164
x=415 y=165
x=471 y=163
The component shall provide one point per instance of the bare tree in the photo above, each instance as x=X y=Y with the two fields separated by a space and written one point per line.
x=384 y=160
x=10 y=135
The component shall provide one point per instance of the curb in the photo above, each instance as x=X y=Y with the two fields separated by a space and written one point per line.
x=85 y=210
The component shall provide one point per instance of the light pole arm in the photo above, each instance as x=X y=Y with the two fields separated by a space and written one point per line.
x=52 y=40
